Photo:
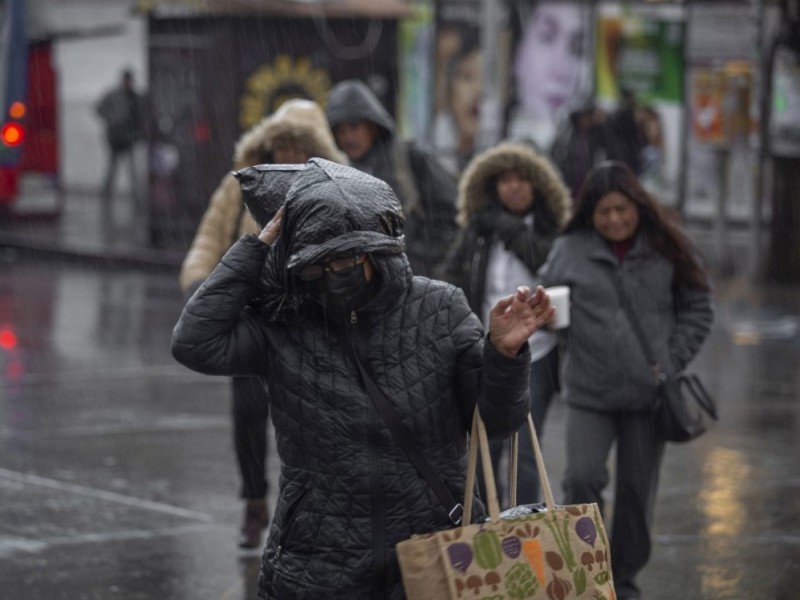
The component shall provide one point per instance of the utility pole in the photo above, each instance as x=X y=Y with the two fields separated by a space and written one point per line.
x=491 y=111
x=754 y=267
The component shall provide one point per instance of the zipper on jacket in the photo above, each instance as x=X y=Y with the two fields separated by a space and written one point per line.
x=475 y=269
x=375 y=474
x=477 y=275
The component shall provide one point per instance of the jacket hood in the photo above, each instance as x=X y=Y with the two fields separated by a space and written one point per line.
x=351 y=100
x=329 y=209
x=474 y=192
x=302 y=121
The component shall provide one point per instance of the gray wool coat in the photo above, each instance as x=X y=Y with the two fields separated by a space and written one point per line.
x=605 y=367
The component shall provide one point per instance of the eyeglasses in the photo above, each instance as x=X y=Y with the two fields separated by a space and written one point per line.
x=337 y=265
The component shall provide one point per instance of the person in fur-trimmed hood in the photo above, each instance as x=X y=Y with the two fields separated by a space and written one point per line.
x=294 y=133
x=512 y=204
x=297 y=131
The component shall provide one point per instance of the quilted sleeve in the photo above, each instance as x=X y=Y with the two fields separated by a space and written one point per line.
x=216 y=334
x=496 y=383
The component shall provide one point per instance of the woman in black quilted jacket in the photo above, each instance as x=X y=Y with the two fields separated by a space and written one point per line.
x=296 y=308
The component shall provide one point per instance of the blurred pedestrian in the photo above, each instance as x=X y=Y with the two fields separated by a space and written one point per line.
x=365 y=131
x=625 y=137
x=123 y=112
x=512 y=204
x=652 y=128
x=579 y=145
x=619 y=235
x=343 y=310
x=297 y=131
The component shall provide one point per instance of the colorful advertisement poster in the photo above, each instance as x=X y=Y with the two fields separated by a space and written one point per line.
x=458 y=81
x=550 y=67
x=639 y=59
x=784 y=124
x=641 y=54
x=708 y=91
x=415 y=98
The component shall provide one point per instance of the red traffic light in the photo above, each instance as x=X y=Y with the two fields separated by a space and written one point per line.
x=12 y=134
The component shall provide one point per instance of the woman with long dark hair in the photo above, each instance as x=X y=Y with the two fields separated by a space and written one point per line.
x=618 y=242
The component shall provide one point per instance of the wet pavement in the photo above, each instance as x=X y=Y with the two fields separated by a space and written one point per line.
x=117 y=472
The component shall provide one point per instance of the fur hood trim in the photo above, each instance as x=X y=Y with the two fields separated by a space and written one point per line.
x=301 y=120
x=547 y=184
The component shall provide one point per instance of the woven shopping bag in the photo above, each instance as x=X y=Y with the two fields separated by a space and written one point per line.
x=559 y=553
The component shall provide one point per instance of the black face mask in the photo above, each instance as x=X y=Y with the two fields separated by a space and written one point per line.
x=339 y=294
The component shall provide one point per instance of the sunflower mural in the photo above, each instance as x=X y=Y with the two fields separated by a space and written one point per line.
x=272 y=84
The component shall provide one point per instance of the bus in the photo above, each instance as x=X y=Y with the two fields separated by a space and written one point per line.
x=29 y=160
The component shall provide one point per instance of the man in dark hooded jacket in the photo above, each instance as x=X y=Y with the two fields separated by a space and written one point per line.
x=365 y=131
x=324 y=287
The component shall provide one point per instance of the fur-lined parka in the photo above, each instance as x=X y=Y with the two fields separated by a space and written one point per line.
x=303 y=123
x=483 y=220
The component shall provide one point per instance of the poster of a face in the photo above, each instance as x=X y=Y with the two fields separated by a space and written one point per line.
x=551 y=72
x=459 y=80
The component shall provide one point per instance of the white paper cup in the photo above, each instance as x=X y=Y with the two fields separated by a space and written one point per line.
x=559 y=298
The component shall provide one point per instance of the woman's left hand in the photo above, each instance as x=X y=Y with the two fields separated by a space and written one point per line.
x=515 y=318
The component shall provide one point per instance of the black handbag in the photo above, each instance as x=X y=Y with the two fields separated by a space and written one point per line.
x=683 y=405
x=682 y=402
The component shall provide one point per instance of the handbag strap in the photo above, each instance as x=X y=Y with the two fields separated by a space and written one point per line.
x=637 y=326
x=479 y=438
x=692 y=382
x=404 y=439
x=700 y=394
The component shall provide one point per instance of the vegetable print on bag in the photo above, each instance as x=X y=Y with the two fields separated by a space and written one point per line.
x=559 y=553
x=511 y=559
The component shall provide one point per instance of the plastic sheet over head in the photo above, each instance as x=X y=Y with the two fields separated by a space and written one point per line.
x=522 y=510
x=329 y=209
x=264 y=189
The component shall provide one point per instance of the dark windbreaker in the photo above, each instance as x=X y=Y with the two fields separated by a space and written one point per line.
x=427 y=192
x=347 y=492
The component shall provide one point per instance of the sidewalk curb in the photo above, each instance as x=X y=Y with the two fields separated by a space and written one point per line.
x=141 y=258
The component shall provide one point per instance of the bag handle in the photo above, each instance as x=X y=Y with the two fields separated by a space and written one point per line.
x=479 y=437
x=700 y=394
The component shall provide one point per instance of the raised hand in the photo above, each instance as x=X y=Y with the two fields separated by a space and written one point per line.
x=271 y=230
x=516 y=317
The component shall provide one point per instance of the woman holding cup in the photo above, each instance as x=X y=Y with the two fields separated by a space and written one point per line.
x=512 y=204
x=620 y=241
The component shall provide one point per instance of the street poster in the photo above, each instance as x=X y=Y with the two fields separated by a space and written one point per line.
x=642 y=52
x=550 y=68
x=458 y=81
